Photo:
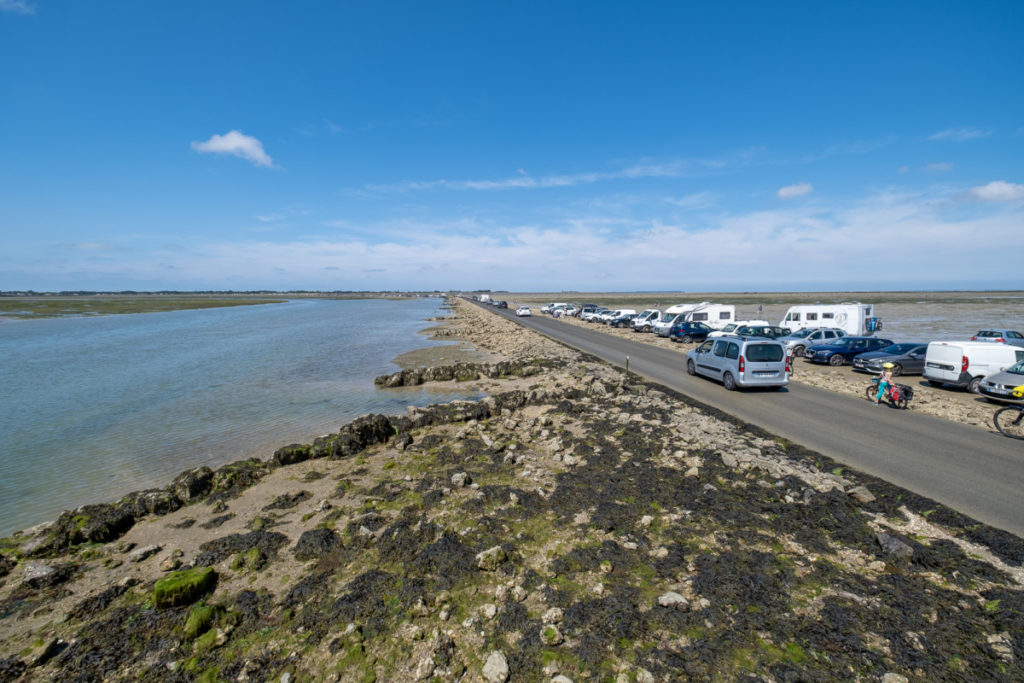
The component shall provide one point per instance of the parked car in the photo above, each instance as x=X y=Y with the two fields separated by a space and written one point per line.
x=644 y=319
x=731 y=327
x=965 y=363
x=590 y=316
x=523 y=312
x=797 y=341
x=841 y=351
x=606 y=317
x=741 y=362
x=1011 y=337
x=766 y=331
x=906 y=359
x=999 y=386
x=621 y=320
x=687 y=332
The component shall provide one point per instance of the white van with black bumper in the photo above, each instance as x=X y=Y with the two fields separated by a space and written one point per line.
x=741 y=362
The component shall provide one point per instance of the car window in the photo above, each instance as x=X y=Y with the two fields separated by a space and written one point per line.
x=720 y=347
x=1016 y=368
x=734 y=351
x=763 y=353
x=1019 y=354
x=829 y=334
x=1013 y=335
x=705 y=347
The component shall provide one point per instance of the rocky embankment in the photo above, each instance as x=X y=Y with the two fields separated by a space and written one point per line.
x=575 y=525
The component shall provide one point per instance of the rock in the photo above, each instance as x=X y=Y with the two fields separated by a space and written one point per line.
x=729 y=460
x=45 y=652
x=496 y=668
x=184 y=587
x=1002 y=645
x=674 y=600
x=316 y=543
x=646 y=521
x=39 y=575
x=140 y=554
x=490 y=559
x=560 y=678
x=169 y=564
x=550 y=635
x=424 y=669
x=489 y=610
x=461 y=479
x=6 y=565
x=894 y=546
x=894 y=678
x=552 y=616
x=192 y=484
x=861 y=494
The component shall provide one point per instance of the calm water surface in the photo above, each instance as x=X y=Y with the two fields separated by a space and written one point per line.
x=93 y=408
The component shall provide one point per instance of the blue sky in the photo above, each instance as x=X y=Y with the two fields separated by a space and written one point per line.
x=528 y=146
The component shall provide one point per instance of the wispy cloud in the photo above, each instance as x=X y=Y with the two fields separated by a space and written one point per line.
x=236 y=144
x=940 y=166
x=17 y=6
x=999 y=191
x=792 y=191
x=959 y=134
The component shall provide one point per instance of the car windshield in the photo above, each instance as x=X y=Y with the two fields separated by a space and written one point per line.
x=899 y=348
x=1017 y=368
x=841 y=341
x=989 y=333
x=800 y=334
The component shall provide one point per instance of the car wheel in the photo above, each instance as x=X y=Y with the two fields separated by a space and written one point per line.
x=836 y=359
x=973 y=385
x=798 y=350
x=897 y=370
x=686 y=339
x=645 y=328
x=691 y=369
x=729 y=381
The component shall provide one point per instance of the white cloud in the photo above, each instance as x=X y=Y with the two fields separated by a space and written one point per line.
x=791 y=191
x=960 y=134
x=940 y=166
x=237 y=144
x=999 y=191
x=17 y=6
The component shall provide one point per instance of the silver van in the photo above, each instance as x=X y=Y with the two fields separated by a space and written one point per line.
x=741 y=362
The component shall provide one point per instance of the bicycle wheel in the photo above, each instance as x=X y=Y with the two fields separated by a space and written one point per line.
x=1010 y=421
x=870 y=392
x=901 y=403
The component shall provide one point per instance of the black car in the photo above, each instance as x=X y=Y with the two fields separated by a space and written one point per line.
x=621 y=320
x=501 y=304
x=906 y=359
x=687 y=332
x=766 y=331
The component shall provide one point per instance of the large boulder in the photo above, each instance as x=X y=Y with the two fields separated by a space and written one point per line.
x=192 y=484
x=184 y=587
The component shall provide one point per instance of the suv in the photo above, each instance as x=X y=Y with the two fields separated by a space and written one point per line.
x=841 y=350
x=687 y=332
x=810 y=336
x=741 y=362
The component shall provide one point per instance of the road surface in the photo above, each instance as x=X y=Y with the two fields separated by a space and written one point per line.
x=978 y=473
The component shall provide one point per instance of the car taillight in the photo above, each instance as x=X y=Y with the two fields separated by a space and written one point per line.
x=1000 y=340
x=974 y=338
x=742 y=364
x=789 y=366
x=964 y=363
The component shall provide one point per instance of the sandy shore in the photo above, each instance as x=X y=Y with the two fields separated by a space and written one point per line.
x=576 y=525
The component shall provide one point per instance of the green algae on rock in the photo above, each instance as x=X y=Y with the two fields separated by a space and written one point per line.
x=183 y=587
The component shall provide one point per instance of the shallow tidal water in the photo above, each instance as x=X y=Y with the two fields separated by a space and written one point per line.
x=94 y=408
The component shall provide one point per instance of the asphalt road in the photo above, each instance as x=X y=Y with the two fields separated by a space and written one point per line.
x=978 y=473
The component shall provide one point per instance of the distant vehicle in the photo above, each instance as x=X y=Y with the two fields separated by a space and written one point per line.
x=797 y=341
x=713 y=315
x=550 y=308
x=739 y=362
x=906 y=359
x=842 y=350
x=999 y=386
x=731 y=327
x=591 y=316
x=621 y=320
x=524 y=312
x=664 y=324
x=852 y=317
x=766 y=331
x=501 y=304
x=486 y=298
x=607 y=317
x=965 y=363
x=644 y=319
x=688 y=332
x=1011 y=337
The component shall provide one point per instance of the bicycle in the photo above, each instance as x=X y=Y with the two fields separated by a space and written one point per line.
x=898 y=395
x=1009 y=420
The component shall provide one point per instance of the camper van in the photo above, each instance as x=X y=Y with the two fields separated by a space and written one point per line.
x=852 y=317
x=715 y=316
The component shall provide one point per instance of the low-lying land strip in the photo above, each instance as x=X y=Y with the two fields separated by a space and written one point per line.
x=576 y=525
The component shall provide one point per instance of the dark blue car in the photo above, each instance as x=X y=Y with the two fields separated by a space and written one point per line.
x=687 y=332
x=841 y=351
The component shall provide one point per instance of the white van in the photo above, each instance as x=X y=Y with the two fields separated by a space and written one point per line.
x=643 y=322
x=965 y=363
x=851 y=317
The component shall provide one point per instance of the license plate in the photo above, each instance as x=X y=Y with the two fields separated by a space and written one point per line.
x=765 y=374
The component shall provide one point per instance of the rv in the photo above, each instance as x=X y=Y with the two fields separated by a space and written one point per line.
x=852 y=317
x=715 y=316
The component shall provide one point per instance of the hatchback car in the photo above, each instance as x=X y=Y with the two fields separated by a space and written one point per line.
x=523 y=312
x=766 y=331
x=906 y=359
x=842 y=350
x=999 y=386
x=809 y=336
x=689 y=331
x=1011 y=337
x=741 y=362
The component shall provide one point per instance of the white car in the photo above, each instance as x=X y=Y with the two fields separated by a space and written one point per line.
x=731 y=327
x=523 y=312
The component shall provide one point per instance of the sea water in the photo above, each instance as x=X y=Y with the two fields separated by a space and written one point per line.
x=93 y=408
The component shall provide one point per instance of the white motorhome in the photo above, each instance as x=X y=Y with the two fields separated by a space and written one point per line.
x=852 y=317
x=715 y=316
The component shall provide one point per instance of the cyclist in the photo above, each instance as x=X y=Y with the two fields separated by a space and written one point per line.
x=884 y=380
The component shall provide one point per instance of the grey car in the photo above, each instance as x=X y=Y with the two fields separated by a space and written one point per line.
x=907 y=359
x=999 y=386
x=1011 y=337
x=809 y=336
x=741 y=362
